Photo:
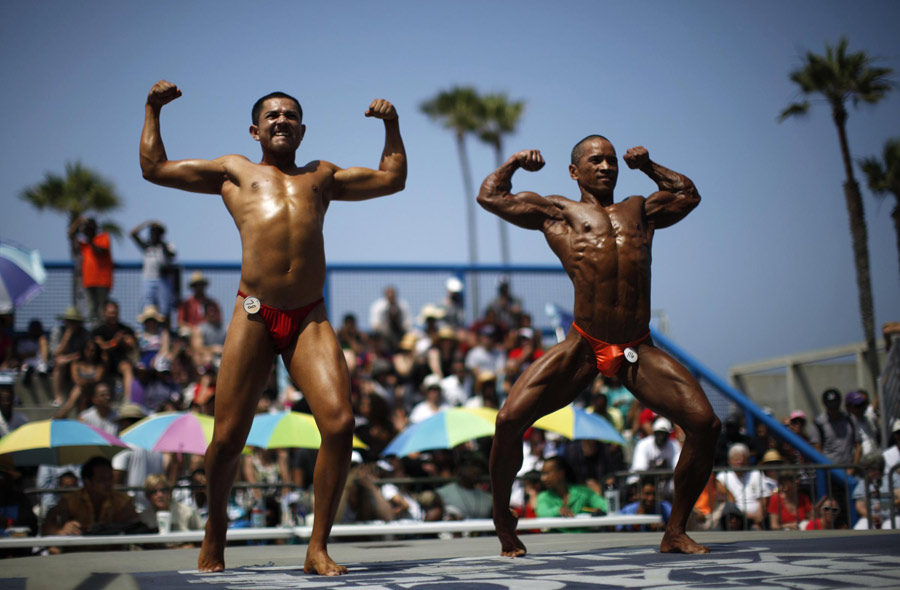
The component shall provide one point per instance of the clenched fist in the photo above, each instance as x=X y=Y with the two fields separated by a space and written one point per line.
x=163 y=92
x=637 y=157
x=530 y=160
x=381 y=109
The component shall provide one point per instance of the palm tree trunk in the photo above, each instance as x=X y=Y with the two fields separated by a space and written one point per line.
x=504 y=235
x=470 y=214
x=76 y=266
x=860 y=239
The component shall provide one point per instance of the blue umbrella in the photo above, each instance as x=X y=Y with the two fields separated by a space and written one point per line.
x=22 y=275
x=575 y=424
x=444 y=430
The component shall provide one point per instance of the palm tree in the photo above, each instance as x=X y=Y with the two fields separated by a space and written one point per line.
x=838 y=77
x=459 y=109
x=500 y=117
x=884 y=179
x=80 y=192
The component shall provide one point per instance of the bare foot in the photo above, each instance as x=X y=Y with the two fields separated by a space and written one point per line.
x=212 y=551
x=510 y=544
x=318 y=562
x=680 y=543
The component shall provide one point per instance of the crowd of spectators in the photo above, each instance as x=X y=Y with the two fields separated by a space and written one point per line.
x=405 y=369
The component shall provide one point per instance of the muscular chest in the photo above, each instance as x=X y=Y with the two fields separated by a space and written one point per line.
x=591 y=227
x=269 y=196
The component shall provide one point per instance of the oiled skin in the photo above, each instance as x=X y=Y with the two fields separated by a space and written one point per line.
x=605 y=248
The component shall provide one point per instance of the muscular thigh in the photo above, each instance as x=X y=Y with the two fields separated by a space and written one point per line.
x=247 y=360
x=318 y=367
x=662 y=384
x=552 y=381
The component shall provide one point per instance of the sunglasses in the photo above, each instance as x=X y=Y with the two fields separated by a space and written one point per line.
x=831 y=509
x=158 y=491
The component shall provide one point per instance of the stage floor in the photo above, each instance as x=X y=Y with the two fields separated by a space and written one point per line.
x=806 y=560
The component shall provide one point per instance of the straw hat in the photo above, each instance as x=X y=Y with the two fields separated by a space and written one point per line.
x=198 y=278
x=71 y=313
x=772 y=456
x=131 y=411
x=150 y=313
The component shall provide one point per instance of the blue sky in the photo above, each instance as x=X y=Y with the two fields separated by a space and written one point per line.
x=762 y=268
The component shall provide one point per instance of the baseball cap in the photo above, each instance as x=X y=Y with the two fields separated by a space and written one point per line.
x=856 y=398
x=662 y=425
x=831 y=396
x=798 y=415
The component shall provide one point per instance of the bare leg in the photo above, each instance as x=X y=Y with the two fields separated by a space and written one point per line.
x=665 y=386
x=319 y=368
x=547 y=385
x=246 y=364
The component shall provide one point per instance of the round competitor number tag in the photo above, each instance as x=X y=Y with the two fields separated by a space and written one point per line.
x=631 y=355
x=251 y=305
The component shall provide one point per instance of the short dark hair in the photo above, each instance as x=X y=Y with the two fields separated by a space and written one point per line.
x=257 y=106
x=578 y=150
x=87 y=470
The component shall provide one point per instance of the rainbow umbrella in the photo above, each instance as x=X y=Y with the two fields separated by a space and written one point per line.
x=444 y=430
x=173 y=432
x=22 y=275
x=576 y=424
x=282 y=430
x=58 y=442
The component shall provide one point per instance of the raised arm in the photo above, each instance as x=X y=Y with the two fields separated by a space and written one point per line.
x=525 y=209
x=357 y=183
x=199 y=176
x=676 y=196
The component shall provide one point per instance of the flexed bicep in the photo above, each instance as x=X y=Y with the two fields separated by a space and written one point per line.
x=198 y=176
x=525 y=209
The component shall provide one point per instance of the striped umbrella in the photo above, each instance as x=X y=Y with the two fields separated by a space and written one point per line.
x=58 y=442
x=172 y=432
x=22 y=275
x=444 y=430
x=576 y=424
x=281 y=430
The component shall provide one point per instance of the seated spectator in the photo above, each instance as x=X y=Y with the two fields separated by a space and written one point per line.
x=208 y=339
x=350 y=336
x=827 y=514
x=403 y=505
x=159 y=494
x=878 y=484
x=647 y=504
x=485 y=392
x=94 y=504
x=192 y=311
x=561 y=496
x=194 y=497
x=152 y=336
x=788 y=508
x=101 y=413
x=593 y=461
x=15 y=507
x=746 y=487
x=67 y=342
x=10 y=419
x=362 y=500
x=525 y=350
x=600 y=406
x=892 y=453
x=118 y=344
x=443 y=351
x=86 y=372
x=465 y=495
x=51 y=477
x=132 y=466
x=659 y=451
x=32 y=352
x=864 y=421
x=433 y=402
x=457 y=386
x=707 y=512
x=485 y=356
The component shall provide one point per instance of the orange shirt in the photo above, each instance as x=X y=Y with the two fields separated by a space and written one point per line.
x=97 y=268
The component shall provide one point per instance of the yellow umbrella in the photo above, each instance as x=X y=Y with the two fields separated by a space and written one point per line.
x=288 y=430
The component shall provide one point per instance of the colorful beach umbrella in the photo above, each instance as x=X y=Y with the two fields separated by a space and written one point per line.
x=22 y=275
x=576 y=424
x=172 y=432
x=445 y=430
x=58 y=442
x=282 y=430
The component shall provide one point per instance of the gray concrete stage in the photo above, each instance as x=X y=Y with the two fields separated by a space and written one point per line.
x=806 y=560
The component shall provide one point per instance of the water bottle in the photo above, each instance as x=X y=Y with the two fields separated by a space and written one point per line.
x=612 y=499
x=258 y=515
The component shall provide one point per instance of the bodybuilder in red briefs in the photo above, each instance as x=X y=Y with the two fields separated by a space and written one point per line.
x=605 y=249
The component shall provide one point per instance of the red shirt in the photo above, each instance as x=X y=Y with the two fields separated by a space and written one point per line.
x=97 y=267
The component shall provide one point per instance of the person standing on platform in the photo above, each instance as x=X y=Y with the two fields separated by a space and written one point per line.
x=279 y=210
